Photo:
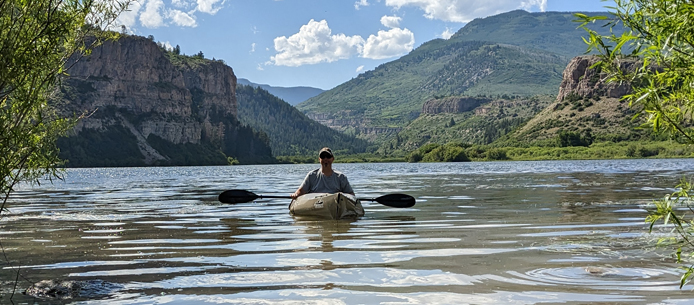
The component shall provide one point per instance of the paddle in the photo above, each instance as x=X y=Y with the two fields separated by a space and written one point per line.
x=391 y=200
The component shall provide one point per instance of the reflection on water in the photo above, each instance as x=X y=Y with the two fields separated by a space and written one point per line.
x=481 y=233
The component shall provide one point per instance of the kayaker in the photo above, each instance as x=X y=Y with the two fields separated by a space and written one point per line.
x=324 y=179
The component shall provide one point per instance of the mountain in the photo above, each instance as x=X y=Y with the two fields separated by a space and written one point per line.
x=585 y=106
x=291 y=95
x=517 y=54
x=148 y=106
x=586 y=110
x=555 y=32
x=290 y=131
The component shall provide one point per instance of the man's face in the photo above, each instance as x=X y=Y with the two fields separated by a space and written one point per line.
x=326 y=160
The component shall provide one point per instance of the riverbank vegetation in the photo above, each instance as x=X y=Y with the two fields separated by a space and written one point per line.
x=457 y=152
x=37 y=41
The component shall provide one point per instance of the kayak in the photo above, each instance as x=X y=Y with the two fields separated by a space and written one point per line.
x=327 y=206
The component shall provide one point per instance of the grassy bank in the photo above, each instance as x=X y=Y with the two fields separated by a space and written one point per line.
x=601 y=150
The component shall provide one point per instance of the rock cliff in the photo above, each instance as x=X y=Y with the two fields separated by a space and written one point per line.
x=455 y=104
x=161 y=102
x=580 y=79
x=586 y=104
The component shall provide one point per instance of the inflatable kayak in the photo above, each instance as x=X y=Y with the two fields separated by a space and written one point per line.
x=327 y=206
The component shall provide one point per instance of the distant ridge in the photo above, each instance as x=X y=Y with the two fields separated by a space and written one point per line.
x=291 y=95
x=511 y=55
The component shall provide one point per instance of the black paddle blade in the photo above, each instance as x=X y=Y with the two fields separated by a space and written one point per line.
x=237 y=196
x=396 y=200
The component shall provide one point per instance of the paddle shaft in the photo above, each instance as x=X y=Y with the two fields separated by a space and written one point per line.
x=241 y=196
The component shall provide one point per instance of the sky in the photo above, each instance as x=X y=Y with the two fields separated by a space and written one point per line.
x=314 y=43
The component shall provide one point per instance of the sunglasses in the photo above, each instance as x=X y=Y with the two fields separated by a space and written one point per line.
x=325 y=156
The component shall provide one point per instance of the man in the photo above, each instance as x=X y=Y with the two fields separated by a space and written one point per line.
x=324 y=179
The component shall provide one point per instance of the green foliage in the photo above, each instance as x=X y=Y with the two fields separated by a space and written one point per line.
x=232 y=161
x=432 y=152
x=496 y=120
x=571 y=138
x=669 y=210
x=660 y=35
x=37 y=38
x=496 y=154
x=290 y=131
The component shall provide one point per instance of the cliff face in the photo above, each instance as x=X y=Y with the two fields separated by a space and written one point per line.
x=160 y=98
x=579 y=79
x=586 y=104
x=452 y=105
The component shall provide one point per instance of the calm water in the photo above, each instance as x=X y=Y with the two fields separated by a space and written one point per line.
x=481 y=233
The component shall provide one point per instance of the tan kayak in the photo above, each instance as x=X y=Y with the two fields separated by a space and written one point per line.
x=327 y=206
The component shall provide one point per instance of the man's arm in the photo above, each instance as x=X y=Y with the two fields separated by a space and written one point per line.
x=303 y=188
x=299 y=192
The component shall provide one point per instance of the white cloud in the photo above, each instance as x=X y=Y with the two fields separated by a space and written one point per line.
x=541 y=4
x=151 y=17
x=466 y=10
x=182 y=19
x=360 y=68
x=128 y=17
x=391 y=21
x=360 y=3
x=260 y=68
x=209 y=6
x=167 y=45
x=252 y=47
x=315 y=44
x=385 y=44
x=182 y=4
x=447 y=33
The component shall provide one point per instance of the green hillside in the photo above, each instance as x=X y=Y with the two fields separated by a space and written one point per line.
x=550 y=31
x=483 y=124
x=392 y=94
x=515 y=54
x=290 y=131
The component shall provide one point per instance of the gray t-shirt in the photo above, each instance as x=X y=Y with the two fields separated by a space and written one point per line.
x=316 y=182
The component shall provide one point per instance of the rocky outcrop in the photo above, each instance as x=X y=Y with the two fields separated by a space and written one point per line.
x=180 y=100
x=580 y=79
x=455 y=104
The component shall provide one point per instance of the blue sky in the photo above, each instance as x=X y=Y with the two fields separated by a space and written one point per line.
x=315 y=43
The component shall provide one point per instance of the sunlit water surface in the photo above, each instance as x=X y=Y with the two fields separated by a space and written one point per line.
x=481 y=233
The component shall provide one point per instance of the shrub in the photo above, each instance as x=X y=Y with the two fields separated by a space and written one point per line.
x=496 y=154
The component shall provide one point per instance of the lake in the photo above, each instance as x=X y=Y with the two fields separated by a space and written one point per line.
x=568 y=232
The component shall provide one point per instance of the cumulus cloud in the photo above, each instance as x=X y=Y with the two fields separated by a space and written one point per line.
x=152 y=16
x=360 y=3
x=182 y=4
x=209 y=6
x=391 y=21
x=167 y=45
x=388 y=44
x=466 y=10
x=315 y=44
x=127 y=18
x=360 y=68
x=155 y=14
x=528 y=5
x=447 y=33
x=182 y=19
